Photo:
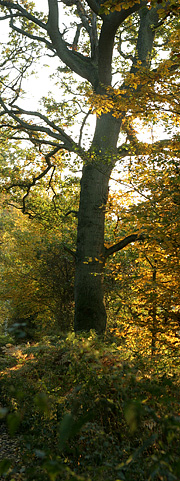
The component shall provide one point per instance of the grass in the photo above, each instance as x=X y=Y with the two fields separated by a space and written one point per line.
x=85 y=408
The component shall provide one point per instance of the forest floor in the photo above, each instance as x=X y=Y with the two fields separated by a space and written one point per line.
x=83 y=408
x=10 y=448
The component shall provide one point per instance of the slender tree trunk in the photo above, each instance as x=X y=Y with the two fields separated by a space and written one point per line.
x=154 y=314
x=90 y=312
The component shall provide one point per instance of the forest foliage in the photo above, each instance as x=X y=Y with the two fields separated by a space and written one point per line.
x=120 y=64
x=81 y=406
x=85 y=408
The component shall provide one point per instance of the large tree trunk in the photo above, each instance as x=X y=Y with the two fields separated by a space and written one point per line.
x=90 y=312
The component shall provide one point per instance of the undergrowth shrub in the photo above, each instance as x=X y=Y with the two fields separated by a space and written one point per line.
x=89 y=408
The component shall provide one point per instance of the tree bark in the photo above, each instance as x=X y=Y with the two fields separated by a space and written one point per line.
x=90 y=312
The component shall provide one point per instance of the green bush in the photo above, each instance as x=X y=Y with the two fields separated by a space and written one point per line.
x=85 y=411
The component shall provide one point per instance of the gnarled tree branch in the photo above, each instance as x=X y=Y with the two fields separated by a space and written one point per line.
x=30 y=35
x=77 y=62
x=29 y=184
x=123 y=243
x=15 y=6
x=51 y=129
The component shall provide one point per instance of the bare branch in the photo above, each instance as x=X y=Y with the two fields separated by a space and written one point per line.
x=126 y=56
x=54 y=131
x=15 y=6
x=30 y=35
x=88 y=22
x=83 y=15
x=123 y=243
x=73 y=253
x=29 y=184
x=7 y=17
x=76 y=37
x=75 y=212
x=82 y=126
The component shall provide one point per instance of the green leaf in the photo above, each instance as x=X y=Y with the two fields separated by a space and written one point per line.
x=133 y=411
x=177 y=468
x=13 y=422
x=4 y=466
x=65 y=430
x=53 y=468
x=42 y=402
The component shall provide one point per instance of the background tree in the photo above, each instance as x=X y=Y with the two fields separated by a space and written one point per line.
x=144 y=87
x=36 y=274
x=144 y=283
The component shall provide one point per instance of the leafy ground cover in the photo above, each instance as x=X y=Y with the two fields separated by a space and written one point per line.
x=90 y=408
